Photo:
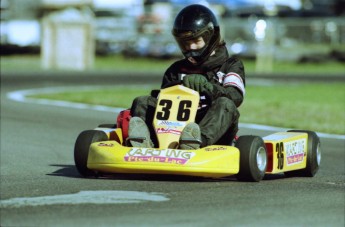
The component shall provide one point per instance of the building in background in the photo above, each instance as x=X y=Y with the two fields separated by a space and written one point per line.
x=115 y=24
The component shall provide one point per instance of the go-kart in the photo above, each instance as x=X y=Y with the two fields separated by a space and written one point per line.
x=105 y=149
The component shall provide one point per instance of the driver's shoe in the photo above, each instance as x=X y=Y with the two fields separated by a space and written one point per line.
x=190 y=137
x=138 y=133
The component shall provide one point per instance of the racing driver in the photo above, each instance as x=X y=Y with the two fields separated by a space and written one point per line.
x=206 y=68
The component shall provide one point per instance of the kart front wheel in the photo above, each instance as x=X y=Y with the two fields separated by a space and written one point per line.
x=253 y=158
x=81 y=150
x=313 y=156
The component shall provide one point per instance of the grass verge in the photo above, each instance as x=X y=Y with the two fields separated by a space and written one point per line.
x=317 y=107
x=118 y=63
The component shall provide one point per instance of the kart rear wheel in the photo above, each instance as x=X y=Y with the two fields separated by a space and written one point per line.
x=253 y=158
x=313 y=156
x=81 y=150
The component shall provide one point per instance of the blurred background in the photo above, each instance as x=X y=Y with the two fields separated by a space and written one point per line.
x=70 y=34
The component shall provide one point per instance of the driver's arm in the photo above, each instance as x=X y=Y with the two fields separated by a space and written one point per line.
x=233 y=85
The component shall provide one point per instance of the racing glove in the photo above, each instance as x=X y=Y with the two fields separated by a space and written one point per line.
x=198 y=83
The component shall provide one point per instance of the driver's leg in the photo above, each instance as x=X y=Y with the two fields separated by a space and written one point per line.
x=222 y=115
x=140 y=125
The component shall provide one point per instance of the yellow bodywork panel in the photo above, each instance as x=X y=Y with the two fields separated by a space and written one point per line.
x=286 y=151
x=112 y=133
x=176 y=107
x=211 y=161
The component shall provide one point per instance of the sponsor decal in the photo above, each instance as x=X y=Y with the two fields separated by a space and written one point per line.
x=168 y=130
x=156 y=155
x=171 y=123
x=295 y=151
x=105 y=145
x=215 y=149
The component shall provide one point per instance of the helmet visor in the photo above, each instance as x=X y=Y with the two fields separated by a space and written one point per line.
x=190 y=41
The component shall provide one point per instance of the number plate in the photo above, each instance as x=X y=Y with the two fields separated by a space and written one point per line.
x=176 y=107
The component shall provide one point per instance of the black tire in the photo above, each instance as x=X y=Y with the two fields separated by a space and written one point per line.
x=253 y=158
x=313 y=156
x=81 y=150
x=107 y=126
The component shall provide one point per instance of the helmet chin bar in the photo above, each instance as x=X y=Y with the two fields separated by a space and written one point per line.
x=196 y=57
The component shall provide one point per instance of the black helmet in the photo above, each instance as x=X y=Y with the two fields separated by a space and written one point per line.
x=196 y=21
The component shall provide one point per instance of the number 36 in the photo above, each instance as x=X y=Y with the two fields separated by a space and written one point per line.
x=183 y=112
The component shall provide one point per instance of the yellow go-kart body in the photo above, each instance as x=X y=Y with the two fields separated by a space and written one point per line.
x=104 y=149
x=176 y=107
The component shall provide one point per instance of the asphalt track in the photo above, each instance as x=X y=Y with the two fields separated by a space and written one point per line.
x=41 y=187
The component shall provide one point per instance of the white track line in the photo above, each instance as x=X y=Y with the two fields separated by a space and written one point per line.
x=21 y=96
x=85 y=197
